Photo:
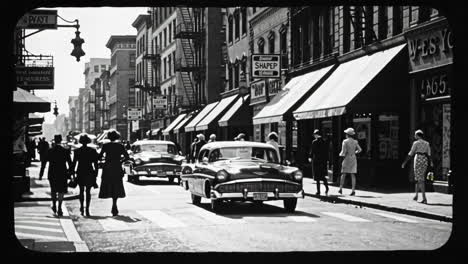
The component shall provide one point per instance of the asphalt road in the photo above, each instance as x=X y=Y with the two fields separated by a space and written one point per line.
x=157 y=216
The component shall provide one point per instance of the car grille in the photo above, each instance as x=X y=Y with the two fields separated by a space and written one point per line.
x=162 y=160
x=260 y=187
x=158 y=167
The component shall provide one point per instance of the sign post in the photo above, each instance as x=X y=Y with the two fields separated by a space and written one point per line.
x=266 y=66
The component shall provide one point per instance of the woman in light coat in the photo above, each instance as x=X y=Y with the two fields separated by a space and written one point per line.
x=349 y=149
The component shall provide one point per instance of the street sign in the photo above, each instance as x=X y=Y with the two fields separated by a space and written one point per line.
x=35 y=78
x=134 y=114
x=266 y=66
x=160 y=102
x=39 y=19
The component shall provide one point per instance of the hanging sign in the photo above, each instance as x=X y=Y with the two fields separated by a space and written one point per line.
x=266 y=66
x=160 y=102
x=39 y=19
x=134 y=114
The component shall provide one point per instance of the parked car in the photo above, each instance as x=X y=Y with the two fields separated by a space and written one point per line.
x=241 y=171
x=153 y=158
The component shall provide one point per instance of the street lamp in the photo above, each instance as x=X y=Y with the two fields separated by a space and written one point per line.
x=56 y=109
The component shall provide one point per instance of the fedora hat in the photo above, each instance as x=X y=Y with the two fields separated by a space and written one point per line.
x=350 y=131
x=419 y=131
x=58 y=138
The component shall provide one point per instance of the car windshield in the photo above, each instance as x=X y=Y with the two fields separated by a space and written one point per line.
x=163 y=148
x=243 y=153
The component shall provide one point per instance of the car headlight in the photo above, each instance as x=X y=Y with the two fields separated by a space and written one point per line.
x=138 y=161
x=298 y=175
x=222 y=175
x=187 y=170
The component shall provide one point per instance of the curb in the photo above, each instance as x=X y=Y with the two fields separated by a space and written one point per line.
x=384 y=207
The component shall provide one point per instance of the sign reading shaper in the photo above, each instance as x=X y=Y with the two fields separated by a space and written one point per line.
x=160 y=102
x=266 y=66
x=39 y=19
x=134 y=114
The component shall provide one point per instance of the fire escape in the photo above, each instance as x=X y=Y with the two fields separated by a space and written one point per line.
x=153 y=55
x=358 y=16
x=188 y=66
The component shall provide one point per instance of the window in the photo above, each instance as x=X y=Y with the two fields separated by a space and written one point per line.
x=160 y=40
x=174 y=27
x=237 y=21
x=170 y=33
x=271 y=42
x=261 y=46
x=230 y=30
x=155 y=43
x=383 y=22
x=174 y=59
x=254 y=10
x=165 y=38
x=369 y=24
x=424 y=13
x=357 y=27
x=283 y=49
x=96 y=68
x=169 y=65
x=397 y=20
x=164 y=69
x=363 y=135
x=236 y=75
x=244 y=20
x=231 y=84
x=387 y=135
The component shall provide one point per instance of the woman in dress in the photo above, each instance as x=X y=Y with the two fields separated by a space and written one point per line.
x=422 y=158
x=85 y=174
x=58 y=158
x=349 y=149
x=112 y=173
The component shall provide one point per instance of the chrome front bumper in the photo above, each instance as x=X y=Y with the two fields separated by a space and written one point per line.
x=249 y=195
x=150 y=173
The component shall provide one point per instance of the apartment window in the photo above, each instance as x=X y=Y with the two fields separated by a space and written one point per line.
x=170 y=33
x=261 y=46
x=357 y=27
x=230 y=30
x=424 y=14
x=283 y=48
x=160 y=40
x=237 y=22
x=165 y=38
x=244 y=20
x=346 y=28
x=271 y=42
x=169 y=66
x=155 y=43
x=164 y=71
x=236 y=75
x=383 y=22
x=174 y=27
x=369 y=23
x=103 y=67
x=173 y=58
x=96 y=68
x=254 y=10
x=397 y=20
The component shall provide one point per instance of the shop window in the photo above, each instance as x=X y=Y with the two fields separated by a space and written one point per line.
x=387 y=137
x=237 y=25
x=257 y=133
x=362 y=126
x=230 y=29
x=96 y=68
x=383 y=22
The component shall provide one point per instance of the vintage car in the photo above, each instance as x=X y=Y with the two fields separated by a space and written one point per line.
x=153 y=158
x=241 y=171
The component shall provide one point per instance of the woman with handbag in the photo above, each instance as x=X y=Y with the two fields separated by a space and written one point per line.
x=86 y=158
x=422 y=160
x=112 y=173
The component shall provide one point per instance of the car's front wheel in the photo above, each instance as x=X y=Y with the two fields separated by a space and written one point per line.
x=196 y=199
x=290 y=204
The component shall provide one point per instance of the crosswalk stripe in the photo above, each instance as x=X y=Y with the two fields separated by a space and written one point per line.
x=161 y=219
x=300 y=218
x=45 y=218
x=38 y=228
x=346 y=217
x=214 y=218
x=32 y=222
x=399 y=218
x=55 y=238
x=110 y=224
x=44 y=221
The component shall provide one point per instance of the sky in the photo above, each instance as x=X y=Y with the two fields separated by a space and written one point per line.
x=96 y=27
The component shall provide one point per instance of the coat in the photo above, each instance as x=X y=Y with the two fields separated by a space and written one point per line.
x=85 y=173
x=58 y=174
x=198 y=147
x=319 y=155
x=348 y=152
x=112 y=172
x=43 y=148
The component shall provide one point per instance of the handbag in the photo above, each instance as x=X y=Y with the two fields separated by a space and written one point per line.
x=72 y=183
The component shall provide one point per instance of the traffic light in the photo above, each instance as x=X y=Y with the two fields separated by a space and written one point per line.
x=77 y=42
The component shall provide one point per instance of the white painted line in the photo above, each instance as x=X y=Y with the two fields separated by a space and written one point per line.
x=300 y=218
x=54 y=230
x=38 y=219
x=214 y=218
x=399 y=218
x=71 y=233
x=36 y=222
x=161 y=219
x=346 y=217
x=46 y=218
x=110 y=224
x=20 y=234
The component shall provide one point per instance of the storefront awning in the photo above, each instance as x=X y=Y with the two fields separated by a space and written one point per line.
x=191 y=126
x=35 y=119
x=228 y=117
x=179 y=128
x=35 y=128
x=345 y=83
x=173 y=124
x=291 y=93
x=28 y=102
x=220 y=108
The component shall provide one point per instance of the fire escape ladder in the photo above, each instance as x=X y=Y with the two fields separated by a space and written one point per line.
x=357 y=17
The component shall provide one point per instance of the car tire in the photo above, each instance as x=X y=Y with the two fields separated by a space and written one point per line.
x=216 y=205
x=290 y=205
x=196 y=199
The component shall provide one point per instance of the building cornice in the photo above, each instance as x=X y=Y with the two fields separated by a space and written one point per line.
x=267 y=12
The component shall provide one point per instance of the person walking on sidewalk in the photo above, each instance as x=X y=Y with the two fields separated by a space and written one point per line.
x=349 y=149
x=58 y=159
x=86 y=174
x=192 y=156
x=43 y=148
x=273 y=140
x=112 y=173
x=212 y=138
x=318 y=155
x=422 y=159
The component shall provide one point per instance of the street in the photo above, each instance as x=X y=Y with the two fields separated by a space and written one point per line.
x=157 y=216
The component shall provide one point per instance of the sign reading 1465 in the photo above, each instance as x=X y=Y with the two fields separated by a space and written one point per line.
x=266 y=66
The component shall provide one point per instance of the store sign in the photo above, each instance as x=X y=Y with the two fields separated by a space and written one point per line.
x=430 y=49
x=257 y=92
x=274 y=86
x=134 y=114
x=160 y=102
x=434 y=86
x=266 y=66
x=39 y=19
x=35 y=78
x=135 y=125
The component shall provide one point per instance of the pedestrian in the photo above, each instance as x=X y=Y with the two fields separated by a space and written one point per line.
x=350 y=147
x=58 y=159
x=43 y=149
x=127 y=145
x=240 y=137
x=112 y=173
x=319 y=156
x=200 y=143
x=272 y=139
x=212 y=138
x=86 y=173
x=422 y=160
x=192 y=156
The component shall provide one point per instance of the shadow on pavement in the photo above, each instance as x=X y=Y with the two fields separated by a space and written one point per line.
x=97 y=217
x=126 y=219
x=439 y=204
x=31 y=204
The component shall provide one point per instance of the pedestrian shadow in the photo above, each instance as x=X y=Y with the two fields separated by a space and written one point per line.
x=97 y=217
x=439 y=204
x=127 y=219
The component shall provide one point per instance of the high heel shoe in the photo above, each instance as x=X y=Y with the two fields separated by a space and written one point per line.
x=54 y=209
x=415 y=198
x=424 y=201
x=82 y=210
x=352 y=193
x=87 y=212
x=114 y=211
x=60 y=213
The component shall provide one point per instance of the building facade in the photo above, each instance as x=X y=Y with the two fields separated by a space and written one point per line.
x=72 y=114
x=121 y=78
x=92 y=72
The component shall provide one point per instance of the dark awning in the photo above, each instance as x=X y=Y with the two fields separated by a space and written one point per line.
x=180 y=128
x=35 y=119
x=233 y=115
x=173 y=124
x=28 y=102
x=206 y=110
x=219 y=109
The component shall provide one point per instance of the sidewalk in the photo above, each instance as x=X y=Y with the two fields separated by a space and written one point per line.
x=40 y=189
x=439 y=206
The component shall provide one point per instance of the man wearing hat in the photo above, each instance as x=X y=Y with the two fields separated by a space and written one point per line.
x=318 y=155
x=212 y=138
x=240 y=137
x=349 y=149
x=273 y=140
x=200 y=143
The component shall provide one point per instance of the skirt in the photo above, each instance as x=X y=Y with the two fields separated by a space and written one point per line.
x=112 y=183
x=58 y=185
x=420 y=167
x=349 y=165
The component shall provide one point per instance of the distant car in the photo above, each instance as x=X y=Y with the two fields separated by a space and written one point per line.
x=241 y=171
x=153 y=158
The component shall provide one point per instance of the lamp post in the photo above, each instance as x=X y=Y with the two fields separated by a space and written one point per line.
x=55 y=109
x=243 y=89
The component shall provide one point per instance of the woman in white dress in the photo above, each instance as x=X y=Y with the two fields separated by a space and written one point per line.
x=349 y=149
